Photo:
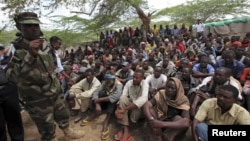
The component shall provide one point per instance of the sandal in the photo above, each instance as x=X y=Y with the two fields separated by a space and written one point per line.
x=85 y=122
x=119 y=135
x=129 y=138
x=105 y=134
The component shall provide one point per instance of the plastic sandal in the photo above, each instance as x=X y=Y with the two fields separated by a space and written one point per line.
x=129 y=138
x=85 y=122
x=105 y=134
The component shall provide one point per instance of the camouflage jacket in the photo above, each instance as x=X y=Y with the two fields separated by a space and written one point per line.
x=35 y=76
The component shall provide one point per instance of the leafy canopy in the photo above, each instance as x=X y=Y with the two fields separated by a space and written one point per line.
x=206 y=10
x=103 y=15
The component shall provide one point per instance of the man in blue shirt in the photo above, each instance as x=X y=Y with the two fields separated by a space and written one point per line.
x=228 y=60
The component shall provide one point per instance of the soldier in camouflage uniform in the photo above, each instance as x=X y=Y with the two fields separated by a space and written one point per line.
x=33 y=69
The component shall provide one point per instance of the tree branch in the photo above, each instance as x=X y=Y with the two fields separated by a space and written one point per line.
x=150 y=14
x=81 y=12
x=90 y=13
x=3 y=28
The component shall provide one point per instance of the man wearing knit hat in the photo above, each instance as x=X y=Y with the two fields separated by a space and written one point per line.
x=32 y=68
x=105 y=99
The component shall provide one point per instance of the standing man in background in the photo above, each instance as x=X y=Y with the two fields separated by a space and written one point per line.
x=33 y=70
x=56 y=43
x=200 y=28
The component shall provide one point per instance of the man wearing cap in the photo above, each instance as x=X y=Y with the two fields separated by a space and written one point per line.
x=125 y=73
x=168 y=45
x=9 y=104
x=83 y=91
x=91 y=60
x=85 y=63
x=33 y=70
x=105 y=98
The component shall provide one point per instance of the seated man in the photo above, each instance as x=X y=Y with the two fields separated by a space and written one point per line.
x=148 y=70
x=220 y=110
x=151 y=59
x=182 y=62
x=228 y=60
x=187 y=80
x=245 y=81
x=210 y=86
x=140 y=58
x=105 y=97
x=203 y=69
x=156 y=81
x=167 y=112
x=83 y=91
x=167 y=65
x=134 y=96
x=125 y=73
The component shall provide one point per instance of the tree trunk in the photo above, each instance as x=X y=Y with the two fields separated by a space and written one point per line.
x=144 y=18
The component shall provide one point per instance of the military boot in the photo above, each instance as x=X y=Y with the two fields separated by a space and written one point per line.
x=73 y=134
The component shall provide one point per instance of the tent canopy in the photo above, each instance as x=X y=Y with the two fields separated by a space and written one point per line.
x=227 y=22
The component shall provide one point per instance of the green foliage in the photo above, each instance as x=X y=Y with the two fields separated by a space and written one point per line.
x=115 y=14
x=69 y=38
x=7 y=36
x=102 y=14
x=73 y=23
x=206 y=10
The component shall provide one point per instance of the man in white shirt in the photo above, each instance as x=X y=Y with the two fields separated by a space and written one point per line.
x=200 y=28
x=83 y=91
x=156 y=81
x=56 y=43
x=134 y=96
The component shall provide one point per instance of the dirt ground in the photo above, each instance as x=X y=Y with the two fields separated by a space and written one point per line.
x=92 y=131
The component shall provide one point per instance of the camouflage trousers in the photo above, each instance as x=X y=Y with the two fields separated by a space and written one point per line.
x=46 y=112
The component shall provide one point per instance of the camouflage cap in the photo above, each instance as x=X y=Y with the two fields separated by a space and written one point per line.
x=27 y=18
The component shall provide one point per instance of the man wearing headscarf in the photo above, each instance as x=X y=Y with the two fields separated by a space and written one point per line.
x=167 y=113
